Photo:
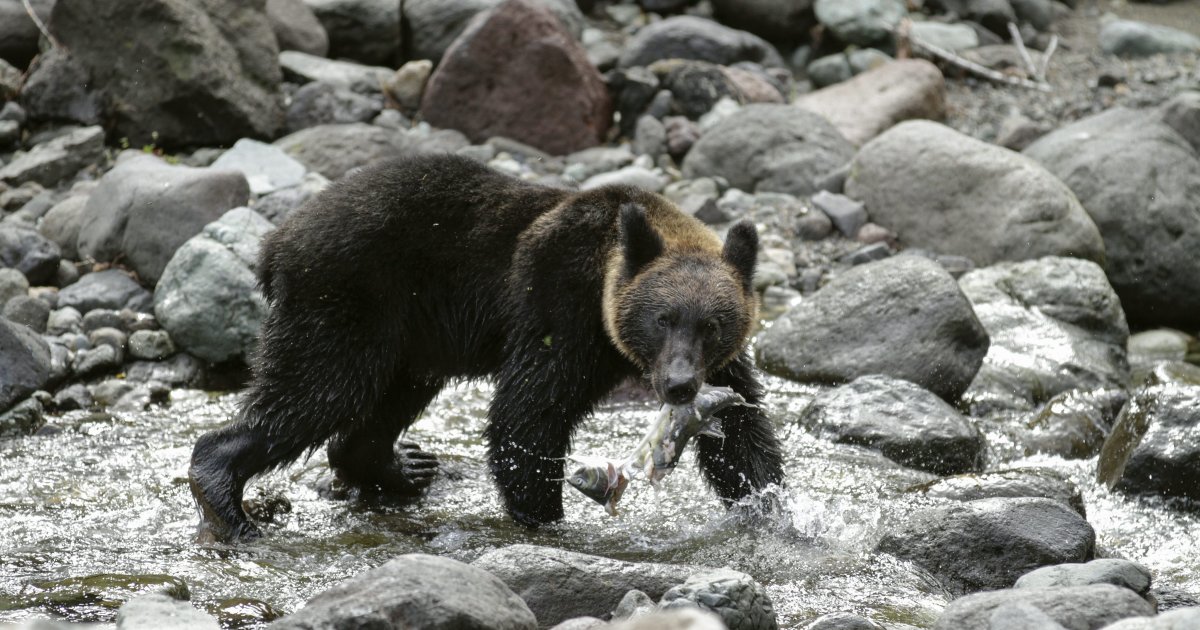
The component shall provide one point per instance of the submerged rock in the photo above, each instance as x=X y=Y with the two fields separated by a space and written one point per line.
x=559 y=584
x=908 y=424
x=1093 y=606
x=904 y=317
x=1055 y=325
x=998 y=206
x=1154 y=448
x=415 y=591
x=1045 y=483
x=989 y=543
x=1074 y=424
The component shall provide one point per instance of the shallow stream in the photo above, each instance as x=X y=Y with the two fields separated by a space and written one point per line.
x=100 y=510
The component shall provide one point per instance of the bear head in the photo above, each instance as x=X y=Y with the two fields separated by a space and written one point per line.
x=678 y=304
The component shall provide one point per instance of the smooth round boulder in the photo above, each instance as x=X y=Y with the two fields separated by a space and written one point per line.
x=691 y=37
x=944 y=191
x=987 y=544
x=766 y=147
x=1093 y=606
x=1045 y=483
x=1115 y=571
x=904 y=317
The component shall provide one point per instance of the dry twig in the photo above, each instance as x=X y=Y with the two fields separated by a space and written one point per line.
x=1019 y=42
x=967 y=64
x=37 y=21
x=1050 y=48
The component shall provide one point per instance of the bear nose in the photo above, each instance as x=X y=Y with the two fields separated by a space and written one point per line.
x=680 y=390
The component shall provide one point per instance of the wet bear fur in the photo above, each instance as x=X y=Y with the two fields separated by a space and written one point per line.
x=411 y=274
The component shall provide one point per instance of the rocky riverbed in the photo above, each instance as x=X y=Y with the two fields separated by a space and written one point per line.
x=979 y=274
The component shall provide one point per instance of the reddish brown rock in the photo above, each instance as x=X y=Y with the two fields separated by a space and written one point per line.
x=518 y=73
x=874 y=101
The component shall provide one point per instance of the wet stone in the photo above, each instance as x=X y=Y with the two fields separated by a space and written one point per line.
x=1154 y=447
x=63 y=320
x=1130 y=575
x=151 y=344
x=27 y=311
x=98 y=360
x=102 y=318
x=107 y=336
x=634 y=603
x=740 y=602
x=1073 y=424
x=1179 y=619
x=22 y=419
x=582 y=623
x=1046 y=483
x=908 y=424
x=12 y=284
x=1093 y=606
x=842 y=621
x=1021 y=616
x=157 y=611
x=26 y=360
x=72 y=397
x=180 y=370
x=989 y=543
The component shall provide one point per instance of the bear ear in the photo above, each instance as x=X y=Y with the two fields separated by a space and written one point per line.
x=640 y=244
x=741 y=250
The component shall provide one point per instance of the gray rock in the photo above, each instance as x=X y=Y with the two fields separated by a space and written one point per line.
x=416 y=591
x=740 y=602
x=1178 y=619
x=678 y=619
x=1074 y=424
x=635 y=176
x=57 y=90
x=435 y=24
x=108 y=336
x=1109 y=161
x=909 y=425
x=210 y=78
x=97 y=360
x=159 y=611
x=10 y=132
x=180 y=370
x=57 y=159
x=830 y=69
x=1182 y=113
x=73 y=397
x=24 y=418
x=278 y=205
x=1089 y=607
x=18 y=34
x=581 y=623
x=27 y=311
x=109 y=289
x=306 y=68
x=650 y=137
x=266 y=167
x=367 y=31
x=904 y=317
x=1129 y=38
x=994 y=15
x=782 y=21
x=998 y=206
x=1154 y=448
x=989 y=543
x=333 y=150
x=951 y=37
x=24 y=249
x=63 y=320
x=12 y=284
x=102 y=318
x=144 y=209
x=1017 y=132
x=297 y=28
x=766 y=147
x=208 y=299
x=691 y=37
x=1055 y=325
x=846 y=214
x=633 y=604
x=407 y=85
x=24 y=363
x=1130 y=575
x=151 y=344
x=1021 y=616
x=1146 y=348
x=860 y=22
x=1038 y=13
x=321 y=103
x=61 y=224
x=1045 y=483
x=559 y=584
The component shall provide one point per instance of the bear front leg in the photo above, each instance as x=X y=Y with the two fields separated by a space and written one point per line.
x=542 y=394
x=749 y=457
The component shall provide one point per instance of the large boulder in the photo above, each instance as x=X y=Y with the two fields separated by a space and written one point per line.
x=433 y=25
x=1138 y=176
x=208 y=298
x=988 y=543
x=296 y=27
x=24 y=363
x=908 y=424
x=144 y=209
x=56 y=159
x=415 y=592
x=691 y=37
x=770 y=148
x=939 y=189
x=367 y=31
x=1046 y=483
x=1055 y=325
x=519 y=73
x=874 y=101
x=1080 y=607
x=177 y=72
x=559 y=585
x=1154 y=448
x=904 y=317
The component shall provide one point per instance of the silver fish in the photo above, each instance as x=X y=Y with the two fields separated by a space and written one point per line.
x=604 y=480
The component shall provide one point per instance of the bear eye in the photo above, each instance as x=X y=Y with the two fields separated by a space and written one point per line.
x=712 y=327
x=664 y=321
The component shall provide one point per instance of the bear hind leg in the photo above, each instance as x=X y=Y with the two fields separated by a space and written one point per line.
x=367 y=456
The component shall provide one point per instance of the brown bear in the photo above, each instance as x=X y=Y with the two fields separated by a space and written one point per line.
x=412 y=273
